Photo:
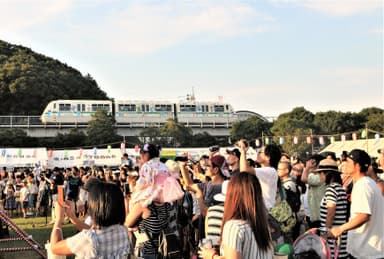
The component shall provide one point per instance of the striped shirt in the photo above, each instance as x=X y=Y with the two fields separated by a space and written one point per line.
x=213 y=220
x=335 y=194
x=238 y=235
x=153 y=225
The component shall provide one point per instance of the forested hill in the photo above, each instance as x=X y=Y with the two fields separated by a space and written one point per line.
x=28 y=81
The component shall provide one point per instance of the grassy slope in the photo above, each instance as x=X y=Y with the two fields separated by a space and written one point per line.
x=39 y=231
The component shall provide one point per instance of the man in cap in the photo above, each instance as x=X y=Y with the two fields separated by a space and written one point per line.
x=365 y=227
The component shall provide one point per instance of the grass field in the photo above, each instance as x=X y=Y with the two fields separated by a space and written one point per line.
x=39 y=230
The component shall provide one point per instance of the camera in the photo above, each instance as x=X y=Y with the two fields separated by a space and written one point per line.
x=181 y=158
x=246 y=144
x=214 y=148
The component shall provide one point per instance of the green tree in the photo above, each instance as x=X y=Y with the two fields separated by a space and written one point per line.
x=75 y=138
x=203 y=140
x=28 y=81
x=101 y=129
x=16 y=138
x=151 y=135
x=332 y=122
x=374 y=118
x=176 y=134
x=298 y=122
x=250 y=128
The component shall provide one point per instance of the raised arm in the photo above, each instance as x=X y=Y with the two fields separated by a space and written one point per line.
x=244 y=167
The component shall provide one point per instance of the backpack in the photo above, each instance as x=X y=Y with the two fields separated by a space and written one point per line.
x=293 y=199
x=282 y=211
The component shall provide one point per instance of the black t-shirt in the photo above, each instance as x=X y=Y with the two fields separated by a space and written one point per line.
x=58 y=179
x=73 y=187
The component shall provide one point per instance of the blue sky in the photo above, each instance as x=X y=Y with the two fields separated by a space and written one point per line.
x=267 y=56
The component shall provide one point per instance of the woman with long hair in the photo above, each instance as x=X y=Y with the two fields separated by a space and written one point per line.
x=245 y=232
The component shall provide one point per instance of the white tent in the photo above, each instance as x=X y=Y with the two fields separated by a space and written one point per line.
x=370 y=146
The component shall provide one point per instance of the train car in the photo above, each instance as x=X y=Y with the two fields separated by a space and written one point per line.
x=205 y=114
x=143 y=113
x=73 y=111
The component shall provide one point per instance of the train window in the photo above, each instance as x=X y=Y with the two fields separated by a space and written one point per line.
x=83 y=107
x=145 y=107
x=219 y=108
x=127 y=107
x=187 y=108
x=96 y=107
x=78 y=107
x=54 y=106
x=64 y=107
x=227 y=107
x=163 y=107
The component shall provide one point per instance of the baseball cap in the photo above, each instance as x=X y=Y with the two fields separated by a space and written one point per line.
x=360 y=157
x=218 y=160
x=234 y=152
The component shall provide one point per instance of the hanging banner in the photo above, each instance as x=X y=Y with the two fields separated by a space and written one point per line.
x=23 y=157
x=88 y=157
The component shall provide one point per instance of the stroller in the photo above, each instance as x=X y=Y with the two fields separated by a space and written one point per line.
x=311 y=246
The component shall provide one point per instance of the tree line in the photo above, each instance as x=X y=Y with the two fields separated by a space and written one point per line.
x=101 y=131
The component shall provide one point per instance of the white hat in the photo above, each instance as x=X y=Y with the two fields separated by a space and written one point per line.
x=173 y=167
x=221 y=196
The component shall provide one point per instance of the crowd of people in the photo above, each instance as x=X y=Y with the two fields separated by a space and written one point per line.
x=229 y=203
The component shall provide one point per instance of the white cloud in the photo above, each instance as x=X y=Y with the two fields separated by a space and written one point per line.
x=17 y=14
x=143 y=28
x=336 y=7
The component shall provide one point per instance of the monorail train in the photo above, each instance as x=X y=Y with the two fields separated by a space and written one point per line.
x=140 y=113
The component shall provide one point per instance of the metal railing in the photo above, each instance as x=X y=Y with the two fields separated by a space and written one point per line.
x=21 y=121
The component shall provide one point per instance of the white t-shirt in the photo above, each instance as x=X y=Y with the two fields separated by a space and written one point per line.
x=367 y=241
x=268 y=180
